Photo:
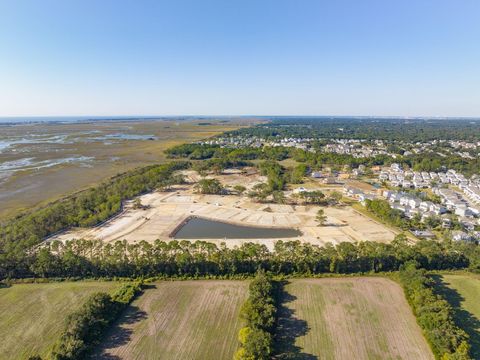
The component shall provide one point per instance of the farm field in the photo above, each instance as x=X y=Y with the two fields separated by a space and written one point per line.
x=32 y=316
x=463 y=292
x=348 y=318
x=179 y=320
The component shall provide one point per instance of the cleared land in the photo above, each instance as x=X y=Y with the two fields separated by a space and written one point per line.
x=41 y=162
x=348 y=318
x=166 y=210
x=32 y=316
x=463 y=292
x=179 y=320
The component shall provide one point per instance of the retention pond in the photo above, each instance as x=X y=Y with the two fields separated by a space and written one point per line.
x=198 y=228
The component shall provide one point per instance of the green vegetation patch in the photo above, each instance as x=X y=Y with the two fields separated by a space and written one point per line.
x=32 y=316
x=462 y=291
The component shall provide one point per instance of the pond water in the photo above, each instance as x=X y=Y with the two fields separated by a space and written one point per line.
x=197 y=228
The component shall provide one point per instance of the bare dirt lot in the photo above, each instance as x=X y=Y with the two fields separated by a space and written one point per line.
x=166 y=210
x=179 y=320
x=348 y=318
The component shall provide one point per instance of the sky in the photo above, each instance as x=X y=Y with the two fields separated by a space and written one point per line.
x=240 y=57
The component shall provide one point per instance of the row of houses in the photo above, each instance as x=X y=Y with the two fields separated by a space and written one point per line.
x=472 y=192
x=412 y=205
x=358 y=194
x=254 y=141
x=397 y=177
x=357 y=151
x=455 y=203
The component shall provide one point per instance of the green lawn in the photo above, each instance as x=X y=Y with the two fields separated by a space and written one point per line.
x=32 y=315
x=463 y=293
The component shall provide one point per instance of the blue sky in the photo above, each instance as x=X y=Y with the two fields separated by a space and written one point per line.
x=265 y=57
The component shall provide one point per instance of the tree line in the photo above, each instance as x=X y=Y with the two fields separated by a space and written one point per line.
x=259 y=315
x=85 y=327
x=434 y=314
x=373 y=128
x=94 y=259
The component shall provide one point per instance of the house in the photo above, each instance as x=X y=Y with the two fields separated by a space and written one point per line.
x=412 y=213
x=424 y=234
x=463 y=211
x=446 y=223
x=425 y=206
x=404 y=199
x=396 y=167
x=461 y=236
x=330 y=180
x=437 y=209
x=387 y=193
x=352 y=191
x=394 y=197
x=383 y=176
x=414 y=203
x=316 y=174
x=468 y=224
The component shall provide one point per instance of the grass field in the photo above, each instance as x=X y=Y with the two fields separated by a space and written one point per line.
x=463 y=293
x=179 y=320
x=348 y=318
x=32 y=316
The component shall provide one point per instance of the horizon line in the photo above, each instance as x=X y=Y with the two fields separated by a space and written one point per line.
x=140 y=116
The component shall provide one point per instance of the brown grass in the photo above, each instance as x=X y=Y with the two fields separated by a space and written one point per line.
x=348 y=318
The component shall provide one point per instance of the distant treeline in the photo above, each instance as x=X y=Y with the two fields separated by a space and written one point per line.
x=93 y=258
x=369 y=129
x=87 y=208
x=221 y=158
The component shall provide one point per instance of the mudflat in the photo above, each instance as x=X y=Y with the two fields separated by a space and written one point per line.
x=43 y=162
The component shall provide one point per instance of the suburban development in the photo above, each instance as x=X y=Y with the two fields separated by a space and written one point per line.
x=257 y=243
x=239 y=180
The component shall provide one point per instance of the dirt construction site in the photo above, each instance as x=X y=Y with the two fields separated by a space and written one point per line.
x=164 y=212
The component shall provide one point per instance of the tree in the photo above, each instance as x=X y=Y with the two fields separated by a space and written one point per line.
x=259 y=192
x=208 y=186
x=321 y=218
x=258 y=345
x=335 y=197
x=137 y=204
x=313 y=197
x=279 y=197
x=297 y=174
